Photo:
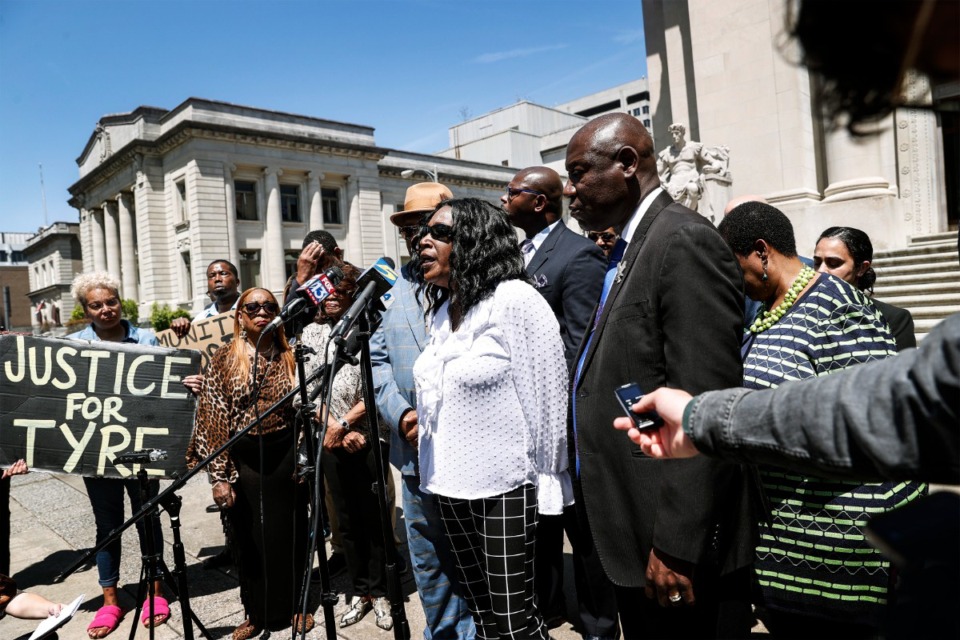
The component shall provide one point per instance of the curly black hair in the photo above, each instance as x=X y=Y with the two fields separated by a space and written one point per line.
x=752 y=221
x=860 y=248
x=484 y=254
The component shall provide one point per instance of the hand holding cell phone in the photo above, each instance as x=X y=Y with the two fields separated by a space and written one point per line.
x=628 y=395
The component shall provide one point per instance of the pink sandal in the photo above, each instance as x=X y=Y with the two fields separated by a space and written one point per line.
x=108 y=617
x=160 y=608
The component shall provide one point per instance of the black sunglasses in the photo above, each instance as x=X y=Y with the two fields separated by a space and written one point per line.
x=606 y=235
x=513 y=193
x=409 y=231
x=438 y=231
x=252 y=308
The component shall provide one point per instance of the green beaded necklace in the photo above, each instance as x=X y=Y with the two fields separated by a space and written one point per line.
x=769 y=318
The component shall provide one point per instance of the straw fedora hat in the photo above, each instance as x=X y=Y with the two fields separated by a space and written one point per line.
x=420 y=198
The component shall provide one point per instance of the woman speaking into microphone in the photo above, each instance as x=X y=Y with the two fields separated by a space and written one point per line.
x=241 y=382
x=492 y=404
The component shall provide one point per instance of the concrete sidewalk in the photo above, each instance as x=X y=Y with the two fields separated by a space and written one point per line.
x=52 y=524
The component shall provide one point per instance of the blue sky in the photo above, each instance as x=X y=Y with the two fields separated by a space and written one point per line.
x=409 y=68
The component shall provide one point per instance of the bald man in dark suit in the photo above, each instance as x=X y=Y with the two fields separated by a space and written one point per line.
x=677 y=541
x=567 y=269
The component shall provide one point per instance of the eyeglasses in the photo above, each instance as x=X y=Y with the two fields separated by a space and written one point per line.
x=409 y=231
x=606 y=236
x=252 y=308
x=110 y=302
x=440 y=232
x=513 y=193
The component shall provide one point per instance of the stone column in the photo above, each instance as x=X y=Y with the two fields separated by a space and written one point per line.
x=273 y=264
x=316 y=201
x=96 y=237
x=854 y=167
x=111 y=237
x=231 y=201
x=128 y=249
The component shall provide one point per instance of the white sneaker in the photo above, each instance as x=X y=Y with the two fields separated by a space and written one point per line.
x=381 y=609
x=357 y=608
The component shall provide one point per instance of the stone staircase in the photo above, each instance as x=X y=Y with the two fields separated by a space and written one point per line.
x=924 y=278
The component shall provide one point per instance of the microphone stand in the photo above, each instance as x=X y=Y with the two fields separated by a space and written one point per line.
x=171 y=501
x=312 y=441
x=401 y=626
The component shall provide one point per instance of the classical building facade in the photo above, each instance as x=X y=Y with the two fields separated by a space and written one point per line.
x=55 y=258
x=723 y=67
x=164 y=192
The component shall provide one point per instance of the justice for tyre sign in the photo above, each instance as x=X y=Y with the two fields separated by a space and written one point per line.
x=73 y=406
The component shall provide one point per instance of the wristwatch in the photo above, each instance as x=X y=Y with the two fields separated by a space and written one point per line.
x=344 y=424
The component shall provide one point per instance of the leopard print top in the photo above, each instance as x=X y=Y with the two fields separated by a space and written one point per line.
x=224 y=408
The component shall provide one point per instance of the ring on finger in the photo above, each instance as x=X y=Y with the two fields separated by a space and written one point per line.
x=675 y=598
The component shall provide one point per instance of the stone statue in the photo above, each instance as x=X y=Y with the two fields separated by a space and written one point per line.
x=684 y=167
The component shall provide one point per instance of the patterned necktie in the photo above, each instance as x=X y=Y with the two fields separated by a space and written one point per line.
x=526 y=247
x=612 y=266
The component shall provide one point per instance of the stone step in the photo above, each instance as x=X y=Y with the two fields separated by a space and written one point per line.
x=894 y=287
x=932 y=238
x=887 y=270
x=935 y=313
x=922 y=302
x=915 y=257
x=919 y=277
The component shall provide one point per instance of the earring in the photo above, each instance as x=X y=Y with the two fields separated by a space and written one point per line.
x=243 y=332
x=764 y=277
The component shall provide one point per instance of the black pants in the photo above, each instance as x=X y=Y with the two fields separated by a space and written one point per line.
x=722 y=610
x=350 y=478
x=549 y=566
x=271 y=558
x=595 y=593
x=492 y=540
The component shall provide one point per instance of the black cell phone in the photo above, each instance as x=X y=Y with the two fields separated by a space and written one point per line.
x=628 y=395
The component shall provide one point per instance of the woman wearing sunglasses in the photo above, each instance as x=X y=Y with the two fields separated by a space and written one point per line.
x=260 y=468
x=492 y=407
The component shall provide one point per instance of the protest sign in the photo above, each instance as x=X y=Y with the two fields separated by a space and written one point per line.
x=205 y=336
x=73 y=406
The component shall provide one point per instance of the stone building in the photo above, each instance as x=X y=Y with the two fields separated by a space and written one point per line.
x=525 y=134
x=163 y=192
x=727 y=69
x=15 y=311
x=55 y=258
x=723 y=67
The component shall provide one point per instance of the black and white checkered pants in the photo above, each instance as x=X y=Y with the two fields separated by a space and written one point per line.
x=493 y=542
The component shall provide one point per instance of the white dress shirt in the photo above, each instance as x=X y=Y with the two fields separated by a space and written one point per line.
x=492 y=401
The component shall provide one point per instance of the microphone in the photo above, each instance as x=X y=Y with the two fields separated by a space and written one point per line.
x=141 y=456
x=373 y=283
x=309 y=296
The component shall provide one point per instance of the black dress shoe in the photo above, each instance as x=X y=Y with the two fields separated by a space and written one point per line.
x=222 y=559
x=213 y=508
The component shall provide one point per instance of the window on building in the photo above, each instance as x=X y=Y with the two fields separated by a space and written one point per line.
x=245 y=193
x=331 y=206
x=17 y=256
x=290 y=203
x=290 y=262
x=3 y=256
x=646 y=123
x=250 y=268
x=635 y=111
x=186 y=277
x=182 y=213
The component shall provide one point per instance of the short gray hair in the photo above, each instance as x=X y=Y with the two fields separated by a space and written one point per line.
x=85 y=282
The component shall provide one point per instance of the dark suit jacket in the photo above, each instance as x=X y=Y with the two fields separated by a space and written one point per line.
x=900 y=322
x=676 y=320
x=568 y=272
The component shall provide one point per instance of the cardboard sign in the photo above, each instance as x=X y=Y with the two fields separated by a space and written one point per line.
x=206 y=336
x=73 y=406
